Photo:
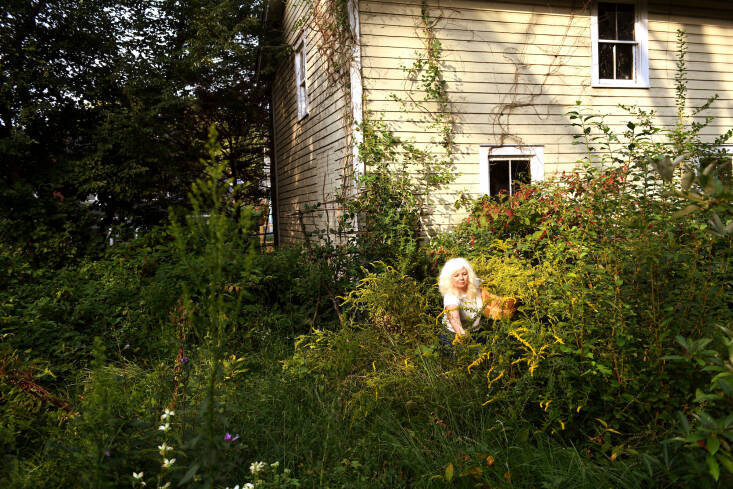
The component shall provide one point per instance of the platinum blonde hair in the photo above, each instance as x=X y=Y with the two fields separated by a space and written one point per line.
x=452 y=266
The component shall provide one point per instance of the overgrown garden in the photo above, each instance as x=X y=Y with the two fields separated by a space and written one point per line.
x=185 y=356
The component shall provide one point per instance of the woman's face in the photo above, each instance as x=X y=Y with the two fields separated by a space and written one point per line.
x=459 y=279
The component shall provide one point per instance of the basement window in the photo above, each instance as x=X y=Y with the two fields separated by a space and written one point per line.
x=505 y=168
x=301 y=93
x=619 y=44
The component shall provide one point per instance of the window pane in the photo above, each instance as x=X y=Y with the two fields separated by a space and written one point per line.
x=498 y=176
x=605 y=60
x=520 y=173
x=625 y=22
x=616 y=21
x=606 y=21
x=624 y=61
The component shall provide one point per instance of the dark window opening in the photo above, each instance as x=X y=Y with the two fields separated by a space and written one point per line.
x=616 y=21
x=507 y=174
x=616 y=41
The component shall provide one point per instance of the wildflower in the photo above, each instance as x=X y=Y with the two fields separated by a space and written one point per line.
x=126 y=346
x=229 y=438
x=164 y=448
x=248 y=485
x=167 y=414
x=184 y=360
x=164 y=427
x=256 y=467
x=168 y=462
x=106 y=453
x=275 y=465
x=137 y=476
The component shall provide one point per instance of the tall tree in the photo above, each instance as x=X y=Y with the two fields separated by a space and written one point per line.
x=114 y=99
x=47 y=86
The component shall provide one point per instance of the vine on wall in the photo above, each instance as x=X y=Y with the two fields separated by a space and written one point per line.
x=514 y=99
x=400 y=175
x=426 y=70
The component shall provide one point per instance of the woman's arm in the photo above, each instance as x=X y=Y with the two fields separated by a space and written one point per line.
x=454 y=318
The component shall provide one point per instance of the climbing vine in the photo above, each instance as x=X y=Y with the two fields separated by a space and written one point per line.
x=392 y=199
x=426 y=71
x=395 y=194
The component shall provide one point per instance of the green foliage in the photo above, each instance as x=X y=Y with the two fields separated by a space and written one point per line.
x=629 y=258
x=711 y=434
x=393 y=196
x=427 y=70
x=393 y=303
x=105 y=111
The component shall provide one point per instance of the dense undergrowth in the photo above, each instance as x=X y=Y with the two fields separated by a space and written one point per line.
x=605 y=371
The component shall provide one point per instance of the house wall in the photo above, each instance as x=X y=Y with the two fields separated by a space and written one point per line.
x=309 y=154
x=514 y=69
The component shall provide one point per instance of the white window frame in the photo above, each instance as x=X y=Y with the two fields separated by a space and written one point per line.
x=301 y=78
x=536 y=156
x=641 y=51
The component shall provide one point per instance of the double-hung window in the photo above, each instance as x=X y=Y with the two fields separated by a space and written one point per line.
x=504 y=168
x=619 y=36
x=301 y=89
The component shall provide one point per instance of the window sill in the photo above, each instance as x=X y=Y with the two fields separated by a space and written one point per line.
x=618 y=84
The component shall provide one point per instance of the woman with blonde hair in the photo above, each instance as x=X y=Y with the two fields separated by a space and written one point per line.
x=462 y=301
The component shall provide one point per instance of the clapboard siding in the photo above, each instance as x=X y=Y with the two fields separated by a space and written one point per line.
x=309 y=154
x=529 y=52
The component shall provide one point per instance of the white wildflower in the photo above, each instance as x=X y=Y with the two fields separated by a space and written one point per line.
x=168 y=462
x=165 y=427
x=256 y=467
x=164 y=448
x=248 y=485
x=167 y=414
x=137 y=475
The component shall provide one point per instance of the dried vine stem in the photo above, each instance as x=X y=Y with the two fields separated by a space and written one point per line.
x=502 y=114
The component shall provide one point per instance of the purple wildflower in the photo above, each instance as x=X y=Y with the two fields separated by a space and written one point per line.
x=184 y=360
x=229 y=438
